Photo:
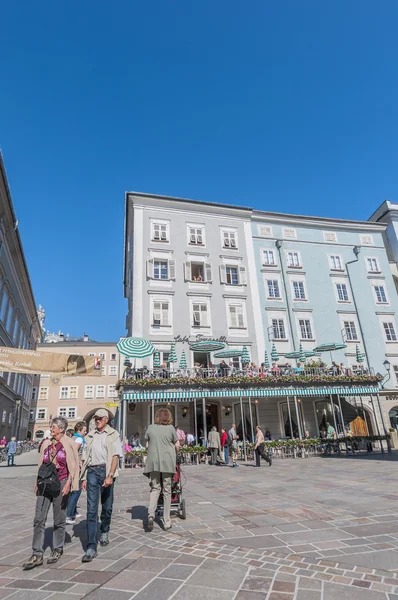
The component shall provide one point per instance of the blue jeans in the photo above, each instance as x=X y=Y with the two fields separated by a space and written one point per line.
x=10 y=458
x=95 y=479
x=72 y=504
x=226 y=454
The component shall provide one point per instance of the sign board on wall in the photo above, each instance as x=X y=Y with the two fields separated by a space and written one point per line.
x=16 y=360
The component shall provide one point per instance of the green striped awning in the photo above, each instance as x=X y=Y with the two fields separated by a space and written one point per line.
x=184 y=395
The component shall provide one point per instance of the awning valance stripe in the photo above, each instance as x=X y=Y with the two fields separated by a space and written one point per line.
x=183 y=395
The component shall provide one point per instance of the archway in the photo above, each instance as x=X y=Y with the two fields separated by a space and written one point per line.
x=393 y=415
x=90 y=421
x=29 y=436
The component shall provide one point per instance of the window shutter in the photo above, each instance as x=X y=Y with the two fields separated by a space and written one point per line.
x=188 y=275
x=149 y=268
x=223 y=274
x=203 y=320
x=208 y=272
x=242 y=276
x=172 y=269
x=196 y=314
x=156 y=313
x=165 y=313
x=239 y=312
x=232 y=313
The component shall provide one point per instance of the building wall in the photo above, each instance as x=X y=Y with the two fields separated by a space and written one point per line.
x=81 y=395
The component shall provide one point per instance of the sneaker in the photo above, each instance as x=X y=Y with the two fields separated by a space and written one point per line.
x=78 y=516
x=70 y=521
x=270 y=462
x=34 y=561
x=89 y=555
x=104 y=539
x=149 y=526
x=55 y=556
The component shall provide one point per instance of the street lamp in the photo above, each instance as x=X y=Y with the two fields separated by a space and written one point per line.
x=387 y=366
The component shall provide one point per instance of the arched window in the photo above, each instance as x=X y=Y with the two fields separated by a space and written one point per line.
x=39 y=434
x=393 y=414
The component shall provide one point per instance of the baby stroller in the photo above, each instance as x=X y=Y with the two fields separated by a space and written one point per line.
x=177 y=501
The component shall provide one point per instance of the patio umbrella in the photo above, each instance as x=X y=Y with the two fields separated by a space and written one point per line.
x=266 y=361
x=330 y=348
x=360 y=358
x=245 y=356
x=135 y=347
x=274 y=354
x=228 y=353
x=206 y=346
x=297 y=354
x=173 y=355
x=302 y=356
x=156 y=359
x=183 y=361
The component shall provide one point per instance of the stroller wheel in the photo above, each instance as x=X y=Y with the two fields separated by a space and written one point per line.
x=183 y=510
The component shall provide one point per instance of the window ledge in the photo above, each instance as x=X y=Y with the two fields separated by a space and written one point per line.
x=280 y=340
x=391 y=342
x=240 y=328
x=162 y=326
x=230 y=248
x=160 y=241
x=337 y=270
x=374 y=272
x=269 y=265
x=200 y=326
x=193 y=281
x=352 y=342
x=294 y=266
x=274 y=298
x=382 y=303
x=191 y=245
x=344 y=301
x=300 y=299
x=307 y=339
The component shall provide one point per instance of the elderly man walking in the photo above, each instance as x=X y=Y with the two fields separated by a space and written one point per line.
x=100 y=460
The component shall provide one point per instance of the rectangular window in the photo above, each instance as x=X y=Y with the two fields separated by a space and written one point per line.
x=64 y=392
x=269 y=257
x=73 y=391
x=289 y=233
x=293 y=259
x=199 y=314
x=113 y=371
x=159 y=232
x=380 y=294
x=305 y=329
x=342 y=293
x=72 y=412
x=32 y=414
x=366 y=240
x=236 y=315
x=160 y=269
x=102 y=355
x=298 y=290
x=113 y=356
x=4 y=304
x=10 y=317
x=350 y=331
x=15 y=333
x=273 y=288
x=372 y=265
x=336 y=262
x=278 y=326
x=4 y=416
x=41 y=413
x=229 y=238
x=89 y=392
x=232 y=275
x=389 y=330
x=103 y=370
x=62 y=411
x=43 y=393
x=34 y=393
x=196 y=236
x=330 y=236
x=100 y=391
x=166 y=357
x=112 y=391
x=160 y=314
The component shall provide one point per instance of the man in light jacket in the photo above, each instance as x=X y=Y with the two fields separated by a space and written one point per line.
x=100 y=460
x=214 y=445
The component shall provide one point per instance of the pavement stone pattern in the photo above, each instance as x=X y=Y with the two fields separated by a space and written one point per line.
x=304 y=529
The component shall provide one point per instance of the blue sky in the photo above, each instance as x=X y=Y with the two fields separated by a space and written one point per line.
x=285 y=106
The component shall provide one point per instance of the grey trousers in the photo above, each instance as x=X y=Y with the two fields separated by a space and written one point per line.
x=59 y=511
x=160 y=482
x=214 y=455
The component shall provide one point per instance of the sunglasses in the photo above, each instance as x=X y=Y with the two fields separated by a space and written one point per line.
x=99 y=418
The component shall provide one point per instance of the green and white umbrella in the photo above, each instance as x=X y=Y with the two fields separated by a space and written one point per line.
x=228 y=354
x=206 y=346
x=135 y=347
x=330 y=348
x=245 y=355
x=266 y=361
x=359 y=356
x=297 y=353
x=156 y=359
x=173 y=355
x=183 y=361
x=274 y=354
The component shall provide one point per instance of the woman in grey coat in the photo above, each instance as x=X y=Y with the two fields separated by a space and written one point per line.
x=162 y=444
x=214 y=445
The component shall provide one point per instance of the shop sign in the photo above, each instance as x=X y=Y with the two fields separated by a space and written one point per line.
x=186 y=339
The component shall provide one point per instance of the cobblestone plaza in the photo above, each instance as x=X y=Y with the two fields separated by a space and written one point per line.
x=313 y=529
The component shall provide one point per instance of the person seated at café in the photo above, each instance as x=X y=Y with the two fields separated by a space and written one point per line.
x=299 y=368
x=190 y=439
x=267 y=436
x=253 y=369
x=223 y=369
x=343 y=369
x=275 y=370
x=335 y=369
x=231 y=369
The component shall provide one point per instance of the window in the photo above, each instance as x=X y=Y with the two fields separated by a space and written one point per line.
x=196 y=236
x=41 y=413
x=68 y=391
x=32 y=414
x=198 y=271
x=232 y=275
x=330 y=236
x=269 y=258
x=342 y=293
x=229 y=239
x=236 y=317
x=62 y=411
x=43 y=393
x=10 y=418
x=166 y=356
x=160 y=232
x=4 y=416
x=289 y=233
x=265 y=230
x=160 y=314
x=91 y=354
x=305 y=329
x=34 y=393
x=350 y=331
x=102 y=355
x=103 y=370
x=113 y=356
x=298 y=290
x=336 y=263
x=72 y=412
x=293 y=259
x=4 y=304
x=199 y=315
x=372 y=265
x=112 y=391
x=113 y=371
x=273 y=288
x=366 y=240
x=160 y=269
x=73 y=391
x=278 y=327
x=380 y=292
x=100 y=391
x=89 y=392
x=15 y=333
x=389 y=330
x=10 y=317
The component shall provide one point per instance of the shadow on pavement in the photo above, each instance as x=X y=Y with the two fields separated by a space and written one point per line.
x=368 y=456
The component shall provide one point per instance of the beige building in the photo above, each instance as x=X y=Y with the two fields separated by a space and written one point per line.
x=76 y=398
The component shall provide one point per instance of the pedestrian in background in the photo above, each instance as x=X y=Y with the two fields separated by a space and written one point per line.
x=11 y=450
x=259 y=448
x=78 y=438
x=225 y=444
x=214 y=445
x=100 y=460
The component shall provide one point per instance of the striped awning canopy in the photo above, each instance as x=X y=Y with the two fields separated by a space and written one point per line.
x=134 y=347
x=207 y=346
x=184 y=395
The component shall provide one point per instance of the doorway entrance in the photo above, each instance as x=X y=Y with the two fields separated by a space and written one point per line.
x=200 y=359
x=211 y=419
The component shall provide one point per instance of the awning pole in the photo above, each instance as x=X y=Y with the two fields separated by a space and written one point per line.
x=377 y=422
x=341 y=414
x=196 y=422
x=204 y=422
x=243 y=429
x=153 y=411
x=251 y=418
x=298 y=418
x=334 y=412
x=290 y=417
x=384 y=425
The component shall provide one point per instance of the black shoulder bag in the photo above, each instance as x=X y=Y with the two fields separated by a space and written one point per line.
x=48 y=483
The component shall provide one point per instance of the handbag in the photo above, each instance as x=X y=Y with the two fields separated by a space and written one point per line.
x=48 y=483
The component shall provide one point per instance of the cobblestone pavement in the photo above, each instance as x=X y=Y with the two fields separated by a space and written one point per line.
x=314 y=529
